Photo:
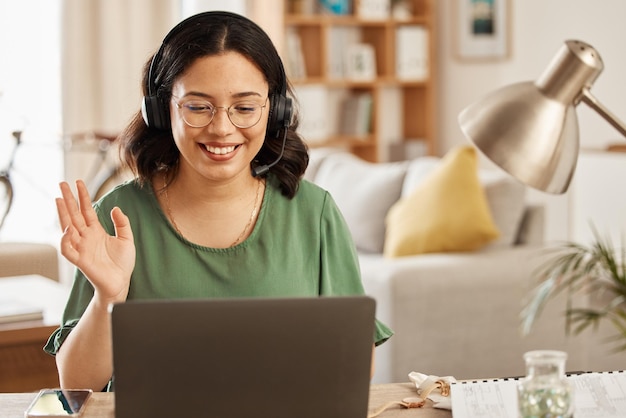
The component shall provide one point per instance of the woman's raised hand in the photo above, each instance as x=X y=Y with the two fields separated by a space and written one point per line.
x=107 y=261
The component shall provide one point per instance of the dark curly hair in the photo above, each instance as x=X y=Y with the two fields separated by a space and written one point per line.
x=148 y=150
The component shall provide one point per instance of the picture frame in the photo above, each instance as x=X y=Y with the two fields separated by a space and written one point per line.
x=482 y=29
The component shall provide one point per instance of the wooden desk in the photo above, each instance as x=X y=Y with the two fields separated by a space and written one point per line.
x=101 y=405
x=23 y=364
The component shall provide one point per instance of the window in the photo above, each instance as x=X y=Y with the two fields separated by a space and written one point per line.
x=30 y=100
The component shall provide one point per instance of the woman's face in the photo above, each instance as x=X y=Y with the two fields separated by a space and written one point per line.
x=220 y=150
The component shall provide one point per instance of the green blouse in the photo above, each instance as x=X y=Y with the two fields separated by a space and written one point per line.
x=298 y=247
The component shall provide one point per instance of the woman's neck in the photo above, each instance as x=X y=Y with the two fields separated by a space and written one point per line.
x=211 y=213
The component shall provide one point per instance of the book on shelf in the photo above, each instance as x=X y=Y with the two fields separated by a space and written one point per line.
x=313 y=100
x=356 y=115
x=596 y=394
x=296 y=67
x=13 y=310
x=412 y=53
x=360 y=62
x=339 y=37
x=303 y=7
x=336 y=7
x=373 y=9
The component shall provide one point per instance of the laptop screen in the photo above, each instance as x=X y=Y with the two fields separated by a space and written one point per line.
x=285 y=357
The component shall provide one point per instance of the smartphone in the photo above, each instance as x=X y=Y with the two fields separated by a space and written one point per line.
x=58 y=403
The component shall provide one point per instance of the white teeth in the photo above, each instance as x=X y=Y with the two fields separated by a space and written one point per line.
x=219 y=150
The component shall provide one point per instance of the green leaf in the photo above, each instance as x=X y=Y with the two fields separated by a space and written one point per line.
x=595 y=271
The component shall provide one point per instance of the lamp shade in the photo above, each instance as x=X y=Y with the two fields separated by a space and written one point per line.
x=530 y=129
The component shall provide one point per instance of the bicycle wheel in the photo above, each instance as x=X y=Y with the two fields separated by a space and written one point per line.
x=113 y=178
x=6 y=197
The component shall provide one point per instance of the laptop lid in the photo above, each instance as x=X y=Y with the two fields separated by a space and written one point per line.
x=231 y=358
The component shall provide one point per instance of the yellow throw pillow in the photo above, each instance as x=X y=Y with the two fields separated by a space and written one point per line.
x=447 y=212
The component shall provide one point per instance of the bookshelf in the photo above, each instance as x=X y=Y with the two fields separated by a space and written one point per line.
x=387 y=59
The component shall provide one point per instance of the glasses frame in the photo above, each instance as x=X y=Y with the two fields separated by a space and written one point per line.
x=178 y=104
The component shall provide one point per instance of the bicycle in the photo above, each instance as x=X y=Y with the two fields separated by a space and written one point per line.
x=106 y=172
x=6 y=187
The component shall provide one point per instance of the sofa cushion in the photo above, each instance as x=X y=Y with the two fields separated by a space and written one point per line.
x=22 y=258
x=364 y=192
x=316 y=158
x=447 y=211
x=505 y=195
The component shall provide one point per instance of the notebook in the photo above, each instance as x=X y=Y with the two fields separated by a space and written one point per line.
x=595 y=394
x=13 y=310
x=231 y=358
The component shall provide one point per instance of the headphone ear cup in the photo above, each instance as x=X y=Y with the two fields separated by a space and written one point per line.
x=280 y=114
x=155 y=113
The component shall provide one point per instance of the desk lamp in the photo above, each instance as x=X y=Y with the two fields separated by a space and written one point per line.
x=530 y=129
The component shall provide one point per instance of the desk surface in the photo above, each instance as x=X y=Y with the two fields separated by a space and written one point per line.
x=101 y=405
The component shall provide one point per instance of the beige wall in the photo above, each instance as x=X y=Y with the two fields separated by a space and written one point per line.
x=538 y=28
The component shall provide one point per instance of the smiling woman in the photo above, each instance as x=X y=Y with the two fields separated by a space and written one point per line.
x=218 y=207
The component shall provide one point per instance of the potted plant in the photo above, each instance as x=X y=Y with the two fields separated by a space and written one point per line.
x=597 y=270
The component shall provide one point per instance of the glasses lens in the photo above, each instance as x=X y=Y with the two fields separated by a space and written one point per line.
x=197 y=114
x=244 y=114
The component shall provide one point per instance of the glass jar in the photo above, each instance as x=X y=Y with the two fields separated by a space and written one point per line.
x=545 y=392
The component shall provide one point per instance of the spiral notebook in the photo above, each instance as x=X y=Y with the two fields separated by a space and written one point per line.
x=596 y=394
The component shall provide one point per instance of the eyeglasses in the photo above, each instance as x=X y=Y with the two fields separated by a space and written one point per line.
x=200 y=113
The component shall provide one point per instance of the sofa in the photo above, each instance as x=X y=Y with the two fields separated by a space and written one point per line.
x=21 y=258
x=454 y=312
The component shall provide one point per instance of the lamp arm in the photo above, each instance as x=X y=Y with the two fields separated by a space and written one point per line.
x=592 y=102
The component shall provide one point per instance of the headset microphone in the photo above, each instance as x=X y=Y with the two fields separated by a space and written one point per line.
x=263 y=169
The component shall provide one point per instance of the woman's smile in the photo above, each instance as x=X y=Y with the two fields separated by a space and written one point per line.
x=220 y=150
x=220 y=153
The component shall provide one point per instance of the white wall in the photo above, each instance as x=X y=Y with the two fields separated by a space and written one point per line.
x=538 y=29
x=598 y=200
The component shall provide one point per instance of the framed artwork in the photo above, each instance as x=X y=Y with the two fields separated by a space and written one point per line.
x=482 y=29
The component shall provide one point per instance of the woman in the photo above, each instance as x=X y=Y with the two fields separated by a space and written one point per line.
x=217 y=208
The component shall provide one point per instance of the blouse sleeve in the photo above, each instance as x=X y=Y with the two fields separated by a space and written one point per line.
x=340 y=271
x=80 y=296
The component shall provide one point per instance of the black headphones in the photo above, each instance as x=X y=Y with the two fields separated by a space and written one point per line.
x=156 y=112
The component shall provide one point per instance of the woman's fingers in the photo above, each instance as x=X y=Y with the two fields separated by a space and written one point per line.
x=75 y=217
x=107 y=261
x=67 y=248
x=79 y=213
x=89 y=215
x=64 y=217
x=121 y=224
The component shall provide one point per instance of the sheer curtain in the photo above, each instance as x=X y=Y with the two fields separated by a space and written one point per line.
x=105 y=44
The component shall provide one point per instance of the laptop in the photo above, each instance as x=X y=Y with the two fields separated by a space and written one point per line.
x=232 y=358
